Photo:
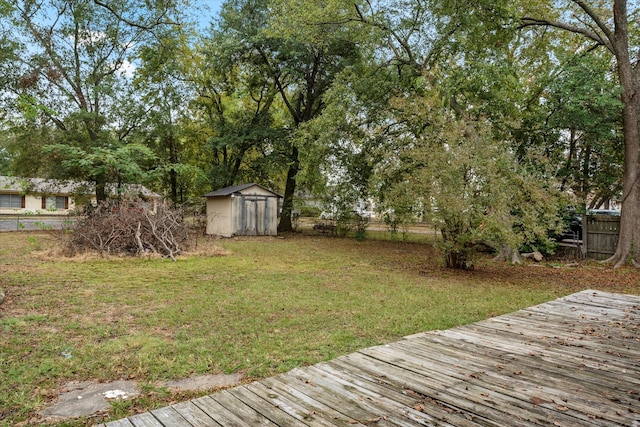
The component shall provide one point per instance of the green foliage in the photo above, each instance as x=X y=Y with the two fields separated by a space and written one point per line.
x=583 y=127
x=119 y=164
x=469 y=184
x=74 y=91
x=310 y=211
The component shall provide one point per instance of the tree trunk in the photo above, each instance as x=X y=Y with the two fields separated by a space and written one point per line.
x=286 y=223
x=509 y=254
x=629 y=238
x=101 y=190
x=173 y=161
x=458 y=260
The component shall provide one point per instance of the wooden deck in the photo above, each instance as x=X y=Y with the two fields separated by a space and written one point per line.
x=574 y=361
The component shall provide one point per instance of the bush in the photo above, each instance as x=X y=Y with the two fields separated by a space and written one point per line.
x=310 y=211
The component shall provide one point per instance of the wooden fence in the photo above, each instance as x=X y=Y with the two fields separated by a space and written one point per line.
x=601 y=236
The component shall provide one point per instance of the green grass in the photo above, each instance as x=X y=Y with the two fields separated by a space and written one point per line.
x=265 y=307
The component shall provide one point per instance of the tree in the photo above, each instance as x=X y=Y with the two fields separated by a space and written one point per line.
x=437 y=135
x=164 y=83
x=300 y=59
x=75 y=81
x=579 y=119
x=611 y=29
x=236 y=112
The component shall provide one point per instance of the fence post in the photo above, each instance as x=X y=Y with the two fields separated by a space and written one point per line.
x=585 y=233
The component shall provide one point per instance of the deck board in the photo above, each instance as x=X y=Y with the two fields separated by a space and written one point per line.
x=571 y=362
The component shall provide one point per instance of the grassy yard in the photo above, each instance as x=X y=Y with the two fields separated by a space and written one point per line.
x=257 y=306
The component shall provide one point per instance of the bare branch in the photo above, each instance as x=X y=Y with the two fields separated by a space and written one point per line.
x=159 y=21
x=537 y=22
x=599 y=22
x=129 y=227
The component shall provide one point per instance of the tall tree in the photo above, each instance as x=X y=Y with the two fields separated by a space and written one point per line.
x=237 y=103
x=611 y=28
x=301 y=59
x=75 y=77
x=164 y=83
x=577 y=123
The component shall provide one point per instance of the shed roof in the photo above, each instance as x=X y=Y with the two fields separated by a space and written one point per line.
x=227 y=191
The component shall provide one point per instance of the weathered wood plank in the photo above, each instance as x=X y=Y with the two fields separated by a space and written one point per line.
x=543 y=354
x=438 y=389
x=318 y=409
x=468 y=386
x=595 y=339
x=388 y=409
x=548 y=372
x=118 y=423
x=145 y=420
x=523 y=385
x=334 y=395
x=218 y=412
x=241 y=410
x=194 y=415
x=271 y=412
x=603 y=299
x=409 y=406
x=292 y=408
x=169 y=417
x=512 y=365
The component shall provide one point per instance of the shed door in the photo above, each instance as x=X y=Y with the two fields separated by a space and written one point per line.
x=254 y=216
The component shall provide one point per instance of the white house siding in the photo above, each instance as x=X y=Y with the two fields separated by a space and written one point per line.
x=34 y=190
x=33 y=206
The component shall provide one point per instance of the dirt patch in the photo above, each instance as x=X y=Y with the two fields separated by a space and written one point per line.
x=205 y=382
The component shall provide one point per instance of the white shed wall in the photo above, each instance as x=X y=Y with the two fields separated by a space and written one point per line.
x=219 y=216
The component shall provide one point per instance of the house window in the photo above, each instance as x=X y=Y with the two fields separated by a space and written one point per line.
x=54 y=203
x=15 y=201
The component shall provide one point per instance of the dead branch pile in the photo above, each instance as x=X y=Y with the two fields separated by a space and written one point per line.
x=129 y=227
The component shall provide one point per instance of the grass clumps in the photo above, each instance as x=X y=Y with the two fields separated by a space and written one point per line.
x=268 y=305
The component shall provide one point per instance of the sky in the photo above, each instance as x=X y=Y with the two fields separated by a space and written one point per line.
x=211 y=9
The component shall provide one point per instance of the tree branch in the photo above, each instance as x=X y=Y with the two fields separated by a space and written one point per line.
x=536 y=22
x=159 y=21
x=599 y=22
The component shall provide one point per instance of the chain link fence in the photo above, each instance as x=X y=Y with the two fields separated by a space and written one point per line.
x=35 y=223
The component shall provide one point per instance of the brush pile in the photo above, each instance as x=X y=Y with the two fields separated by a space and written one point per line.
x=130 y=227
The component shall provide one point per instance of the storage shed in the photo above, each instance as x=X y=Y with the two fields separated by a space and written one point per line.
x=243 y=210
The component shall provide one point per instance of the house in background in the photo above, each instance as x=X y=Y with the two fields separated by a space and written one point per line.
x=53 y=197
x=243 y=210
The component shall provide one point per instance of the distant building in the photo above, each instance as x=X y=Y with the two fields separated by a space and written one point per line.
x=54 y=197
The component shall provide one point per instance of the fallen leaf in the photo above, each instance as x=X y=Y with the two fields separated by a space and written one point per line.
x=538 y=400
x=562 y=408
